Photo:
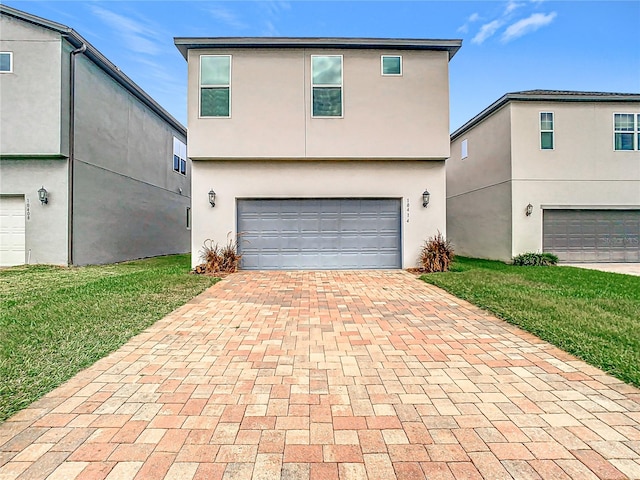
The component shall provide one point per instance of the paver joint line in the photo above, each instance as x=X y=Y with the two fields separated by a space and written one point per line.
x=332 y=375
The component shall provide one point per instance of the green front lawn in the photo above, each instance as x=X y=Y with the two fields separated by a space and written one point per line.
x=55 y=321
x=590 y=314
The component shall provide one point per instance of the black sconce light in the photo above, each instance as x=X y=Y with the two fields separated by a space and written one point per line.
x=529 y=210
x=43 y=195
x=425 y=198
x=212 y=198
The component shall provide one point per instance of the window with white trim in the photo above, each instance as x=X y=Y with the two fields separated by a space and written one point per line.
x=326 y=85
x=626 y=131
x=546 y=131
x=215 y=86
x=6 y=62
x=464 y=150
x=179 y=156
x=391 y=65
x=188 y=218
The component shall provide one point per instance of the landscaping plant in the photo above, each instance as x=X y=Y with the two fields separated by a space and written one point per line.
x=436 y=255
x=535 y=259
x=219 y=259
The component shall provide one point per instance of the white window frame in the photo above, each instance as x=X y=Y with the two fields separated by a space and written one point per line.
x=635 y=131
x=200 y=86
x=464 y=149
x=321 y=85
x=552 y=130
x=181 y=153
x=382 y=57
x=10 y=62
x=188 y=219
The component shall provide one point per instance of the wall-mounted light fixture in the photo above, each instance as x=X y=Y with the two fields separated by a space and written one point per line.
x=212 y=198
x=425 y=198
x=529 y=210
x=43 y=195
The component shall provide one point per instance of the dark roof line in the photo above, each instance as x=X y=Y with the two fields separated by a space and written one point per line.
x=75 y=39
x=548 y=96
x=186 y=43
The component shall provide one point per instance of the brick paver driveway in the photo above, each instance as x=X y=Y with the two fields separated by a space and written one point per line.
x=328 y=375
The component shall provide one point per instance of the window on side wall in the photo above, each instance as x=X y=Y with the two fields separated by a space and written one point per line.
x=188 y=219
x=626 y=131
x=464 y=150
x=391 y=65
x=215 y=86
x=326 y=85
x=179 y=156
x=6 y=62
x=546 y=131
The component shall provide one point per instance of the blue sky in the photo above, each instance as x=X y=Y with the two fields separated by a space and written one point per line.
x=507 y=45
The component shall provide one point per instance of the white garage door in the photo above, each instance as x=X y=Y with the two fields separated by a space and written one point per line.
x=592 y=235
x=321 y=233
x=12 y=243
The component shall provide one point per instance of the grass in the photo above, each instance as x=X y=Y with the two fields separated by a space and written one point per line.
x=591 y=314
x=56 y=321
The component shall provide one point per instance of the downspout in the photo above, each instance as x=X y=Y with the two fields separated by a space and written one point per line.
x=72 y=141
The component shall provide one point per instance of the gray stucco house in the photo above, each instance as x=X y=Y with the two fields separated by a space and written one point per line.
x=546 y=170
x=323 y=153
x=111 y=161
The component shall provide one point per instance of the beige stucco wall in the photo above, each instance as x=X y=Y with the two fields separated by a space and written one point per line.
x=582 y=171
x=479 y=190
x=318 y=179
x=403 y=117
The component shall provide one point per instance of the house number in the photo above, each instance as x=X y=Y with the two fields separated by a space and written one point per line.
x=408 y=210
x=28 y=209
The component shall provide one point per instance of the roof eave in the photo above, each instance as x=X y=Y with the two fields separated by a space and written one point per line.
x=184 y=44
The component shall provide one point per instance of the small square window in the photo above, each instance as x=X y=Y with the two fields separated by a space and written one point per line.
x=6 y=62
x=391 y=65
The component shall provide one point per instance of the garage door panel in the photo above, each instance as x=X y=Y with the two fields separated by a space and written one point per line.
x=12 y=230
x=320 y=233
x=592 y=235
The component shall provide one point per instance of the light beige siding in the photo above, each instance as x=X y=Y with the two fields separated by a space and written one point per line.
x=384 y=117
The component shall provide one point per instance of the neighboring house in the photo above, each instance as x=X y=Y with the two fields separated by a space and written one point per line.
x=104 y=151
x=318 y=150
x=550 y=171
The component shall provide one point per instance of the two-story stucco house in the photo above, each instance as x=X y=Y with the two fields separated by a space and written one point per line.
x=550 y=171
x=318 y=150
x=108 y=161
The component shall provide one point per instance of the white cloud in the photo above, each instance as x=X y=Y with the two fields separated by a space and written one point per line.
x=511 y=6
x=487 y=30
x=227 y=17
x=527 y=25
x=474 y=17
x=139 y=37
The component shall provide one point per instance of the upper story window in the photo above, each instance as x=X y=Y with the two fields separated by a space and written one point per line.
x=326 y=85
x=6 y=62
x=391 y=65
x=546 y=131
x=626 y=131
x=179 y=156
x=215 y=85
x=464 y=150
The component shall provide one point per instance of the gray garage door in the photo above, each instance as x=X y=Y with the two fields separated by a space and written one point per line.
x=339 y=233
x=592 y=235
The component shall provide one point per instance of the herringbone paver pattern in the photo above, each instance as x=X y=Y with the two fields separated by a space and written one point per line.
x=330 y=375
